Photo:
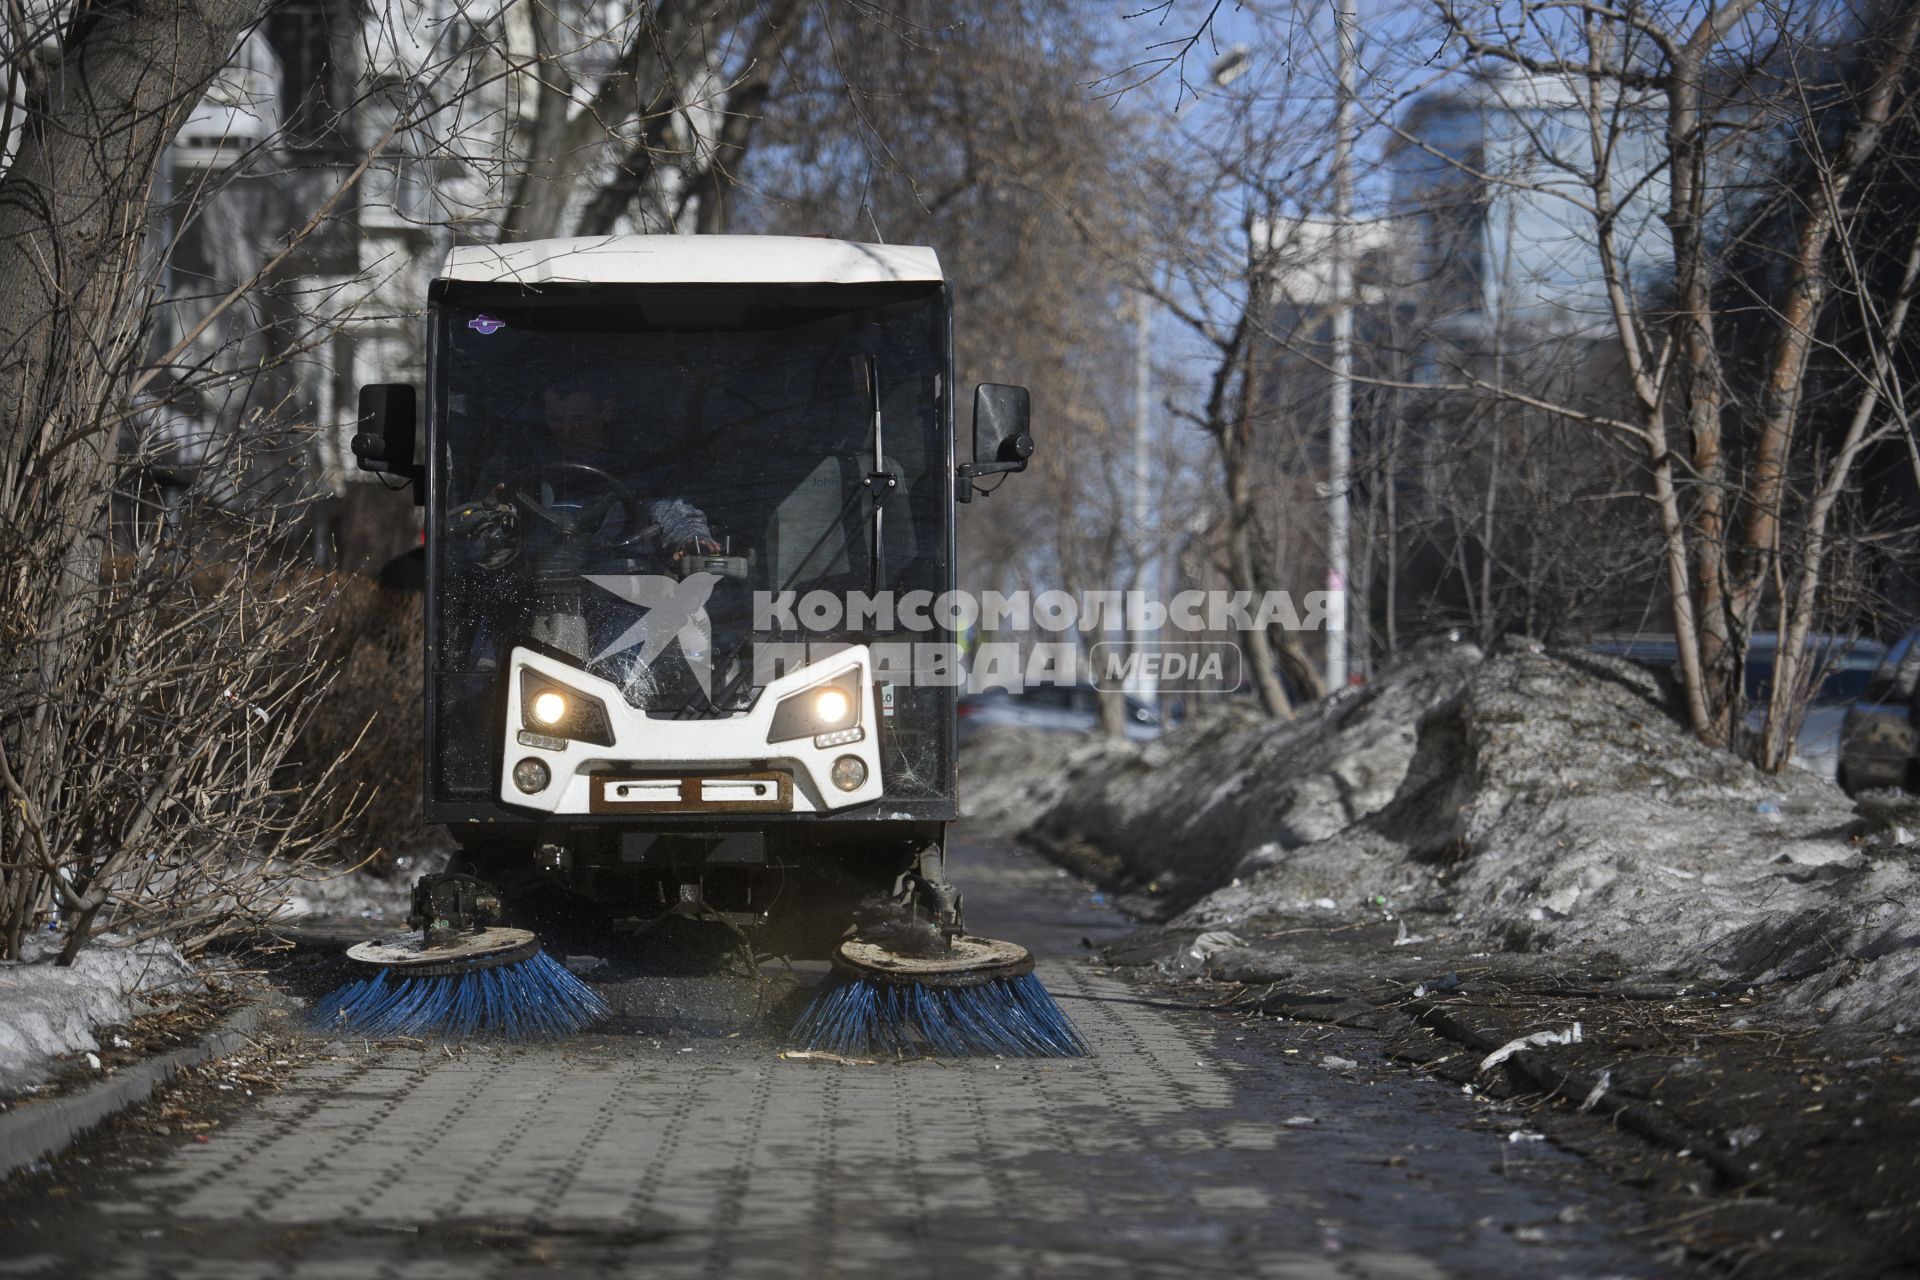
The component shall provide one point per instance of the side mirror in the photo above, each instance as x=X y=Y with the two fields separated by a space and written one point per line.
x=384 y=444
x=1001 y=440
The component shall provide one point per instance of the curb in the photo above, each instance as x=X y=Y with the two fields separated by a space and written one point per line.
x=45 y=1128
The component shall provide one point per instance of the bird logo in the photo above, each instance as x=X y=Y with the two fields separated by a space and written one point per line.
x=676 y=610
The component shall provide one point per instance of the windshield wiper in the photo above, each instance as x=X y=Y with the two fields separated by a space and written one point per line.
x=880 y=482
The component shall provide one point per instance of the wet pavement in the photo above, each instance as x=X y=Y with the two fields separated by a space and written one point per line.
x=1187 y=1143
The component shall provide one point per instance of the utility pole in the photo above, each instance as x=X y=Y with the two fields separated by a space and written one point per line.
x=1340 y=411
x=1142 y=398
x=1145 y=554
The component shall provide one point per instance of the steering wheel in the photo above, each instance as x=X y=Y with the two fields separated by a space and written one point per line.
x=585 y=520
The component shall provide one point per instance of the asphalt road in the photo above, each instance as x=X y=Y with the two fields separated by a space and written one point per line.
x=1188 y=1142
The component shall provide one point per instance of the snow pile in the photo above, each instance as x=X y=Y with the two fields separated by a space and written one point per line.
x=47 y=1011
x=1548 y=804
x=355 y=896
x=1186 y=814
x=1552 y=802
x=1010 y=777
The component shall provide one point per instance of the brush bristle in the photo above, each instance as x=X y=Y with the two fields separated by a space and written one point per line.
x=531 y=999
x=1009 y=1018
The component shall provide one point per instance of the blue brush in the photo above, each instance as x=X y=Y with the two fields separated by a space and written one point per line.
x=980 y=999
x=497 y=983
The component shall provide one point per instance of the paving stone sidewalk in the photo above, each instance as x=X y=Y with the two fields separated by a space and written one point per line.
x=1175 y=1149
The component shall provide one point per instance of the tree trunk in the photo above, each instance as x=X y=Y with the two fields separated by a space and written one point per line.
x=74 y=211
x=553 y=149
x=569 y=143
x=1777 y=740
x=74 y=206
x=1714 y=663
x=720 y=169
x=1243 y=567
x=1799 y=316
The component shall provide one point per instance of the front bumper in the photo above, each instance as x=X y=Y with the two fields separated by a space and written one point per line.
x=657 y=766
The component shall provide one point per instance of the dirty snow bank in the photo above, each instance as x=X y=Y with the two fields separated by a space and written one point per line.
x=1010 y=778
x=1545 y=803
x=349 y=896
x=47 y=1011
x=1170 y=821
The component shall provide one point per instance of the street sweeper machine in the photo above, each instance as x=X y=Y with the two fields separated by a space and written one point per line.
x=687 y=502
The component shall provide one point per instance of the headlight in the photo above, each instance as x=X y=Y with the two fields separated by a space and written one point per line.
x=828 y=707
x=551 y=708
x=832 y=706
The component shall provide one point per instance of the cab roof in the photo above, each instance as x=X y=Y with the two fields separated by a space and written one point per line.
x=675 y=259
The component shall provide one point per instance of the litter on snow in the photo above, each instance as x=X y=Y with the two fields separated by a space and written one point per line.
x=1569 y=1036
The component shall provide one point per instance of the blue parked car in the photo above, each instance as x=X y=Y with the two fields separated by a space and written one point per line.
x=1846 y=667
x=1050 y=708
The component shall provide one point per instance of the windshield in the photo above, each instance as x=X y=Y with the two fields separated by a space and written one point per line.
x=606 y=458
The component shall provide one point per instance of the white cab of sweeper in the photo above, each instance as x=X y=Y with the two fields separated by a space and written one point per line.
x=769 y=260
x=812 y=772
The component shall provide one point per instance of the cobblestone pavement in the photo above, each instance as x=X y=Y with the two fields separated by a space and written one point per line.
x=1186 y=1143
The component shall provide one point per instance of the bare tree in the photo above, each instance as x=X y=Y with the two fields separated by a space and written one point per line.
x=144 y=753
x=1734 y=125
x=1635 y=254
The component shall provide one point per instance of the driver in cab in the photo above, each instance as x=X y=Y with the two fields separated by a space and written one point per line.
x=568 y=487
x=559 y=508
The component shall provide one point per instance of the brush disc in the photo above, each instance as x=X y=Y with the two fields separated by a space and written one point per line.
x=966 y=962
x=408 y=955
